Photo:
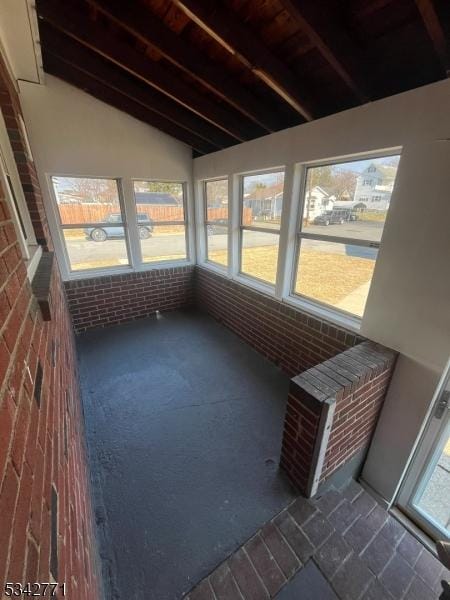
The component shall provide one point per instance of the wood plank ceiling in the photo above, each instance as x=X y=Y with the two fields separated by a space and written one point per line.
x=213 y=73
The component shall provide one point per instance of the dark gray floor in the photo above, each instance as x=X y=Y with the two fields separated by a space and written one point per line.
x=184 y=424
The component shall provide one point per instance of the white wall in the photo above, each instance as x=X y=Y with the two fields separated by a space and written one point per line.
x=409 y=304
x=408 y=308
x=400 y=120
x=73 y=133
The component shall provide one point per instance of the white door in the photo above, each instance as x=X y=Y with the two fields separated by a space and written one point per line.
x=425 y=493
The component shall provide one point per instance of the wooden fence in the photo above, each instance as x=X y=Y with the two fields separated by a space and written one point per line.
x=74 y=214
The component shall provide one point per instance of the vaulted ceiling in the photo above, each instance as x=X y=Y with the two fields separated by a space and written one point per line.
x=213 y=73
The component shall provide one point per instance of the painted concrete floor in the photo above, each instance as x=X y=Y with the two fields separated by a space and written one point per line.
x=184 y=425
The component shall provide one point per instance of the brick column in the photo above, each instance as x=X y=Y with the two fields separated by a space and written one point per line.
x=332 y=412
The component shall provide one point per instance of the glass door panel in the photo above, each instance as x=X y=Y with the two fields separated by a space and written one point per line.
x=425 y=492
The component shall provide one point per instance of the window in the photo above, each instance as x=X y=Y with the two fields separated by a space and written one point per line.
x=337 y=249
x=161 y=219
x=92 y=222
x=367 y=182
x=10 y=180
x=261 y=208
x=216 y=221
x=371 y=169
x=101 y=229
x=376 y=198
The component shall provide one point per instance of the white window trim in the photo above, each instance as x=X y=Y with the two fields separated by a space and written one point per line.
x=349 y=319
x=30 y=250
x=293 y=201
x=189 y=232
x=128 y=205
x=239 y=274
x=203 y=221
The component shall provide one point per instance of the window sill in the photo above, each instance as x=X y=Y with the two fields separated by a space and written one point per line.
x=250 y=282
x=316 y=310
x=33 y=262
x=212 y=266
x=260 y=286
x=126 y=270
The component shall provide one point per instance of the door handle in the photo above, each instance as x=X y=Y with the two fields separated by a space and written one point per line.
x=442 y=404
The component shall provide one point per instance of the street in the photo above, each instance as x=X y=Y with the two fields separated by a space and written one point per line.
x=362 y=230
x=83 y=250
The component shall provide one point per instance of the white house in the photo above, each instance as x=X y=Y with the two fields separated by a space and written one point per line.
x=374 y=187
x=318 y=200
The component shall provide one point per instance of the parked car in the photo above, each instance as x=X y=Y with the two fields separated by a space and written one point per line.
x=100 y=234
x=218 y=226
x=336 y=215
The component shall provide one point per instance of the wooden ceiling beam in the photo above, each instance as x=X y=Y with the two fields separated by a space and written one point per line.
x=141 y=23
x=436 y=33
x=55 y=65
x=332 y=42
x=78 y=26
x=92 y=64
x=226 y=28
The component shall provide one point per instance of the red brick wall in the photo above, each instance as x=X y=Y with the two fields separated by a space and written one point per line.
x=332 y=412
x=359 y=405
x=289 y=338
x=104 y=301
x=301 y=427
x=10 y=106
x=46 y=520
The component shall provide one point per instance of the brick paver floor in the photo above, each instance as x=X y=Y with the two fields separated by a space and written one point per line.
x=341 y=546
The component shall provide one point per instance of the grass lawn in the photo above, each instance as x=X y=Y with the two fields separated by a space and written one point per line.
x=379 y=216
x=325 y=276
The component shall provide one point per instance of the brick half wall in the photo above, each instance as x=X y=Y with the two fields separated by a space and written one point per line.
x=103 y=301
x=286 y=336
x=332 y=413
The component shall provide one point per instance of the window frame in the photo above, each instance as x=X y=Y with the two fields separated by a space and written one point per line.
x=318 y=307
x=130 y=224
x=257 y=282
x=61 y=245
x=147 y=265
x=15 y=198
x=205 y=222
x=293 y=203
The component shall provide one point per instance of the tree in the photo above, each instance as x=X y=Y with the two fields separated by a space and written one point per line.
x=259 y=190
x=217 y=193
x=160 y=187
x=87 y=189
x=321 y=176
x=344 y=184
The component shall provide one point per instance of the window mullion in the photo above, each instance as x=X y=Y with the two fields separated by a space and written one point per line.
x=189 y=222
x=287 y=232
x=130 y=217
x=260 y=229
x=201 y=221
x=339 y=240
x=234 y=216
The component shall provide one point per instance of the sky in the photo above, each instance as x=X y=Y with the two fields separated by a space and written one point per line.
x=357 y=166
